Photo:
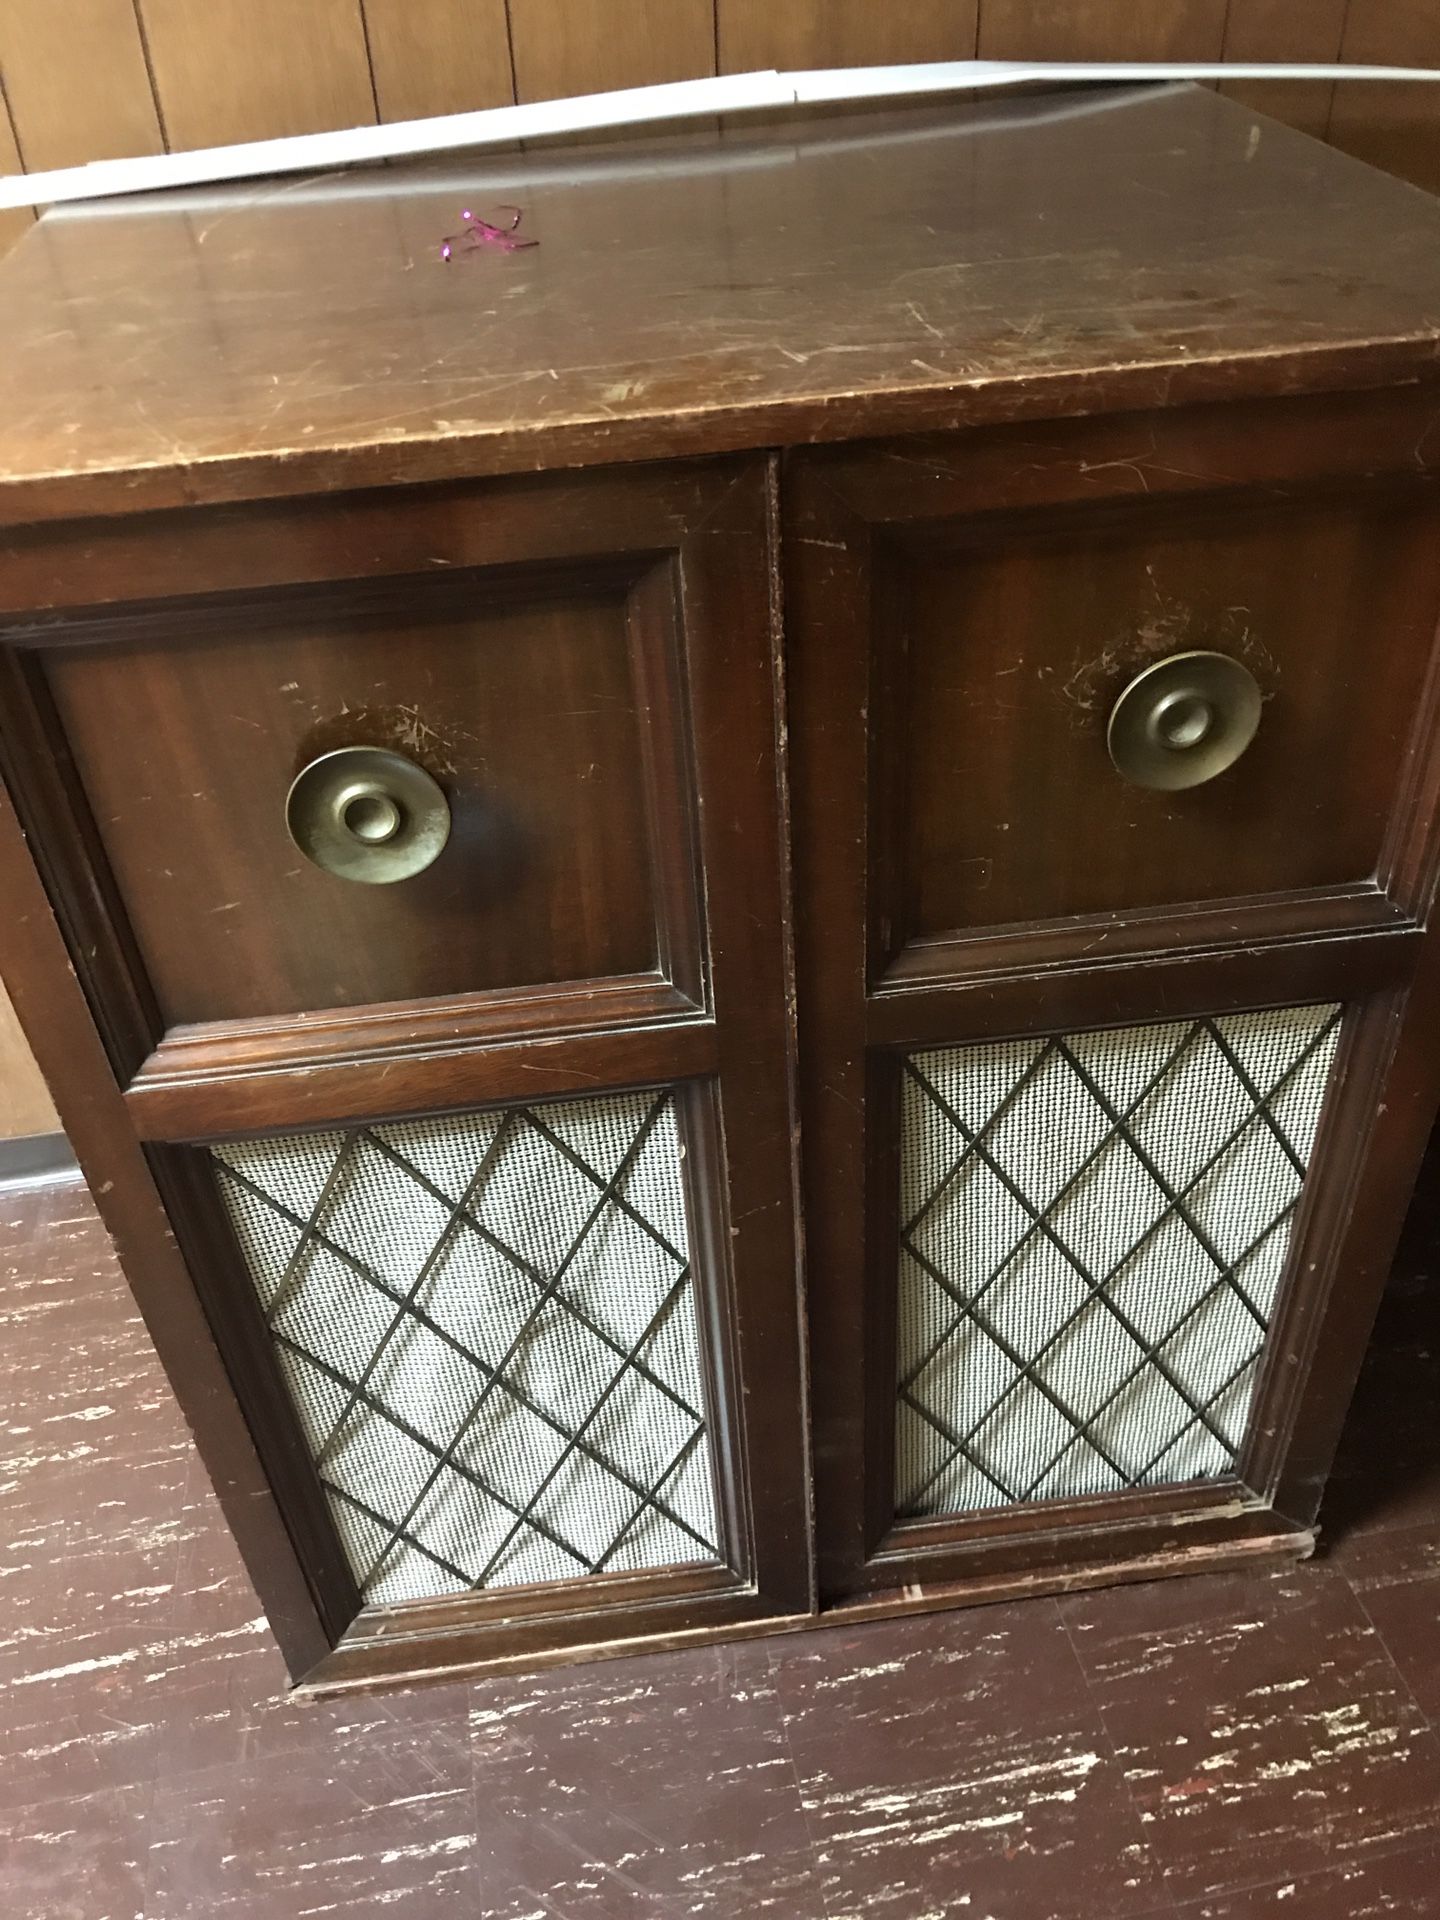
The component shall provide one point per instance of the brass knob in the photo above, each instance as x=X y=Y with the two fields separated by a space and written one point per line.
x=1184 y=720
x=363 y=813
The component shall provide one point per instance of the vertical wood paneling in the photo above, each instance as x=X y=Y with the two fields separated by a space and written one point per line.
x=12 y=225
x=25 y=1105
x=75 y=78
x=76 y=70
x=255 y=69
x=1280 y=30
x=438 y=56
x=842 y=33
x=579 y=46
x=1102 y=29
x=1395 y=127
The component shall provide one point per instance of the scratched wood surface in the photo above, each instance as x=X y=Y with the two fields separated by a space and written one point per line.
x=1156 y=1752
x=702 y=300
x=96 y=78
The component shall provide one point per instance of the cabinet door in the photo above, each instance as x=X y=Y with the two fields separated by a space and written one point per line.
x=483 y=1169
x=1111 y=1089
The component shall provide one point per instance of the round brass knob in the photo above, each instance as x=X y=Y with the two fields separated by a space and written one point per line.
x=363 y=813
x=1184 y=720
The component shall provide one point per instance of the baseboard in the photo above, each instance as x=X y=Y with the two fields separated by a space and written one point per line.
x=39 y=1160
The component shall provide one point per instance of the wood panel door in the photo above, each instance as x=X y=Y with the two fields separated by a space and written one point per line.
x=1097 y=1079
x=483 y=1176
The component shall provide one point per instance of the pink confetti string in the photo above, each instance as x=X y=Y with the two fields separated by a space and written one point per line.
x=478 y=234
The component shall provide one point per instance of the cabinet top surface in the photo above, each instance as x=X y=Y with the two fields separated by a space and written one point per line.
x=899 y=272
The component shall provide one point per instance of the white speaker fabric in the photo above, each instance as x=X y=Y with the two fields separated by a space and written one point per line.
x=488 y=1329
x=1094 y=1228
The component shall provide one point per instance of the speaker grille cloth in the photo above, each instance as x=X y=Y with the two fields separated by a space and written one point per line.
x=488 y=1329
x=1093 y=1232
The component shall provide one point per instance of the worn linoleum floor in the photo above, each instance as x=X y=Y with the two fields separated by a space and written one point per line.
x=1222 y=1748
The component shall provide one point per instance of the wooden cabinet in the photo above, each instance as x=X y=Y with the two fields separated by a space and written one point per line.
x=772 y=1112
x=509 y=1345
x=1081 y=1075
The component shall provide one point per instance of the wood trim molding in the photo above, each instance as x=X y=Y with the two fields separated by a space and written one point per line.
x=287 y=1099
x=1218 y=980
x=1099 y=939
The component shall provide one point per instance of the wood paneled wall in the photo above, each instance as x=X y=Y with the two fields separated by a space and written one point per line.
x=25 y=1107
x=88 y=79
x=85 y=79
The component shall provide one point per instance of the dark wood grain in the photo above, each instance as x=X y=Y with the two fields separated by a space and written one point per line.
x=692 y=645
x=905 y=691
x=127 y=565
x=741 y=1153
x=1273 y=30
x=989 y=963
x=1099 y=30
x=1394 y=1134
x=754 y=294
x=190 y=1057
x=586 y=794
x=1019 y=582
x=1199 y=422
x=412 y=1077
x=528 y=715
x=751 y=35
x=1390 y=126
x=528 y=718
x=1022 y=641
x=1223 y=978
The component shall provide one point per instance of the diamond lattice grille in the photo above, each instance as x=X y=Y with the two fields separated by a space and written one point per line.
x=1093 y=1232
x=488 y=1329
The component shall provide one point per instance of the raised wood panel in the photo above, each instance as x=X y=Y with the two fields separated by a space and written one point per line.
x=75 y=78
x=755 y=34
x=1019 y=645
x=541 y=719
x=1259 y=30
x=1102 y=29
x=229 y=70
x=438 y=56
x=1395 y=127
x=25 y=1104
x=575 y=46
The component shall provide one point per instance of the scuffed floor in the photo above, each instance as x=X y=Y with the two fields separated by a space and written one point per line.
x=1215 y=1749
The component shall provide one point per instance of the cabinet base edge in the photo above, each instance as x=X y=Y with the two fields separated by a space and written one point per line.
x=349 y=1671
